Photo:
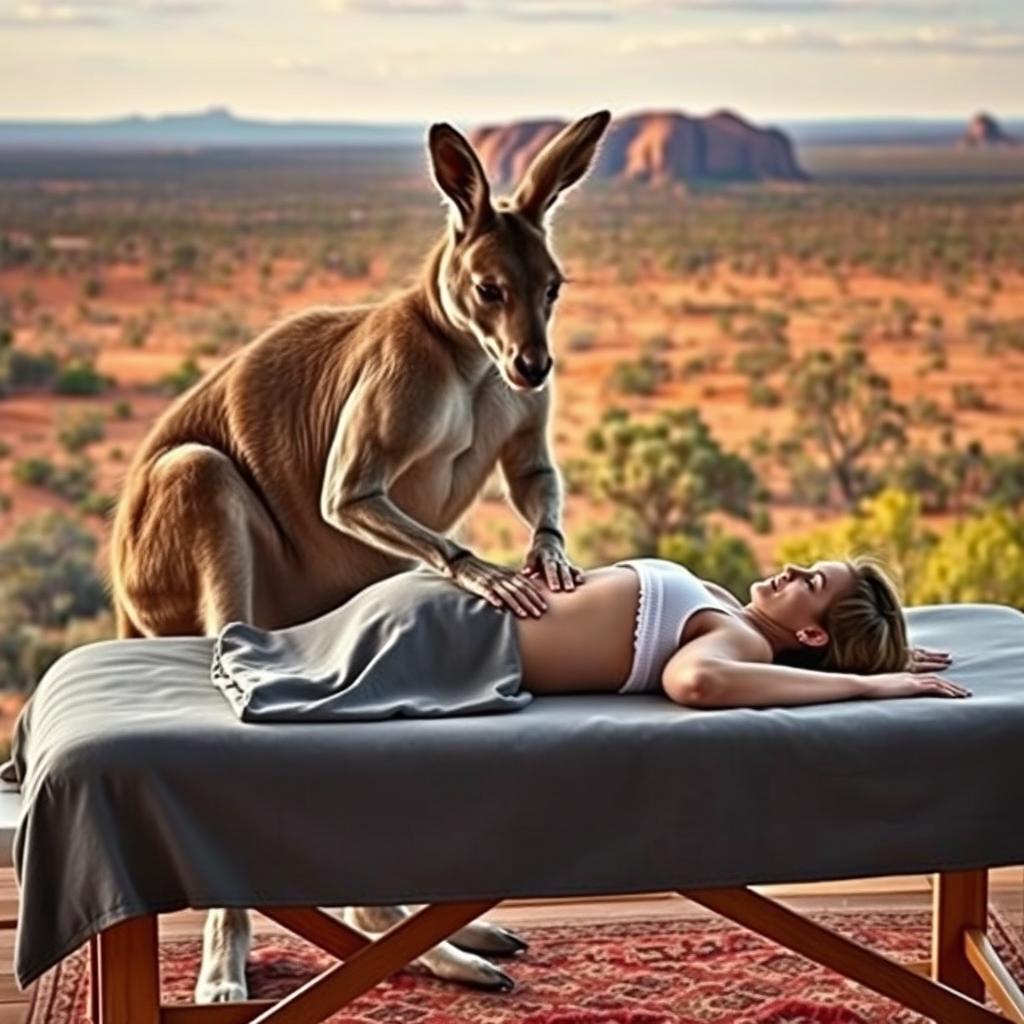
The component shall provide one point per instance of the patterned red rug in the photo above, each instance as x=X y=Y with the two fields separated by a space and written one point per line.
x=702 y=971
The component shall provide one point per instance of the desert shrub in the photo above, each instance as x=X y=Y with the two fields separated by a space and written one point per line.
x=763 y=396
x=76 y=431
x=184 y=256
x=26 y=371
x=968 y=396
x=96 y=504
x=79 y=376
x=761 y=360
x=180 y=380
x=136 y=331
x=978 y=559
x=122 y=409
x=27 y=651
x=641 y=376
x=582 y=340
x=72 y=480
x=47 y=575
x=33 y=471
x=927 y=412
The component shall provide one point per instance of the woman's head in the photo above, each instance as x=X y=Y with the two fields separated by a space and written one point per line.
x=845 y=615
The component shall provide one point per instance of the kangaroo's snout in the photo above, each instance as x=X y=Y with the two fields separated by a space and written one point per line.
x=533 y=367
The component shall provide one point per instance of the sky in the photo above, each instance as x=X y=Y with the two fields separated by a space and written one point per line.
x=473 y=61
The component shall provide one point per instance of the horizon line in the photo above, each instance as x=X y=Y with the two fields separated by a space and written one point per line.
x=221 y=108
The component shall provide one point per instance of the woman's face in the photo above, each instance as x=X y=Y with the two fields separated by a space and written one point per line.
x=797 y=597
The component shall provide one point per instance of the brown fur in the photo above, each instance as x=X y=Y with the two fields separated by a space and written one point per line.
x=343 y=444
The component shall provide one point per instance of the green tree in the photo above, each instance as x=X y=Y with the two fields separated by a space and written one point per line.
x=977 y=559
x=662 y=477
x=845 y=415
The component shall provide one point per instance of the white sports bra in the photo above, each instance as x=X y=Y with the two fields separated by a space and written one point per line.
x=669 y=595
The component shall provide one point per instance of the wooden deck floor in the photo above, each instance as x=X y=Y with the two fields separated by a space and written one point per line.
x=903 y=892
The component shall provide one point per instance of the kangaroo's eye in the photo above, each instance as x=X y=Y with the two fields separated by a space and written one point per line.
x=552 y=292
x=489 y=292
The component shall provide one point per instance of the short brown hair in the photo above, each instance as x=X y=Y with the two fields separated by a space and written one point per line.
x=866 y=629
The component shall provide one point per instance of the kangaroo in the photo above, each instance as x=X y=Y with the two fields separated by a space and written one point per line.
x=343 y=444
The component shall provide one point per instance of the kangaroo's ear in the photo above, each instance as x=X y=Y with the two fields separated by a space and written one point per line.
x=460 y=176
x=559 y=165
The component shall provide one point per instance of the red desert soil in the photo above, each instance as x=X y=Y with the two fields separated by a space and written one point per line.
x=600 y=322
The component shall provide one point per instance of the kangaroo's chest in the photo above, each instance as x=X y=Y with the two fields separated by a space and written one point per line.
x=439 y=487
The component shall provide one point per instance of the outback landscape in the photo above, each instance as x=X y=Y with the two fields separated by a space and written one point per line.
x=820 y=348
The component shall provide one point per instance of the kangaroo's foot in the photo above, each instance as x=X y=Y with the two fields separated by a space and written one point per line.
x=445 y=960
x=226 y=938
x=492 y=939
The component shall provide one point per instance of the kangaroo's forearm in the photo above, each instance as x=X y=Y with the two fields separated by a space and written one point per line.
x=756 y=684
x=375 y=519
x=537 y=497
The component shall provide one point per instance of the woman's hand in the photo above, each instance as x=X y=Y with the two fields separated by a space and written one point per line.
x=910 y=684
x=546 y=560
x=920 y=659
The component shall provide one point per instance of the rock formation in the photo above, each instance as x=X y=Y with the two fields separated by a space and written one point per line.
x=983 y=131
x=654 y=147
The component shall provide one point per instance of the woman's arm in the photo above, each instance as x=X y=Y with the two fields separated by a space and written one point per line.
x=721 y=683
x=724 y=669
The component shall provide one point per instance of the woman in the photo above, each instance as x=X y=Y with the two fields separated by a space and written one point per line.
x=831 y=631
x=415 y=644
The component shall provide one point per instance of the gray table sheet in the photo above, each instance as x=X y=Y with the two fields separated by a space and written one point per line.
x=144 y=793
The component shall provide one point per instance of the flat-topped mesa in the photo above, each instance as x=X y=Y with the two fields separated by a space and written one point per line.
x=984 y=131
x=654 y=147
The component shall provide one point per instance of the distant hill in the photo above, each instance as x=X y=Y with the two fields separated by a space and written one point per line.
x=983 y=132
x=653 y=147
x=882 y=132
x=216 y=127
x=220 y=128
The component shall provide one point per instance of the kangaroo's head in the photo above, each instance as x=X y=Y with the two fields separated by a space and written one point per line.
x=498 y=279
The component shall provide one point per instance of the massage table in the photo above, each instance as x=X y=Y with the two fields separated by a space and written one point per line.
x=143 y=794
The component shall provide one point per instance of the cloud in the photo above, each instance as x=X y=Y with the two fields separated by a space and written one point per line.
x=178 y=8
x=606 y=10
x=395 y=6
x=52 y=15
x=925 y=39
x=98 y=13
x=298 y=65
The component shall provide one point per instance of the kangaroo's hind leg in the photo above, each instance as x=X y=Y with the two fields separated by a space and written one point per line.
x=186 y=554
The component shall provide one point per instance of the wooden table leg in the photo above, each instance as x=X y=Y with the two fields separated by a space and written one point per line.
x=128 y=973
x=959 y=902
x=94 y=981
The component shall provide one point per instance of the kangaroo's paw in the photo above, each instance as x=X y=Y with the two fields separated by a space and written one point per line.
x=492 y=939
x=220 y=992
x=448 y=963
x=226 y=937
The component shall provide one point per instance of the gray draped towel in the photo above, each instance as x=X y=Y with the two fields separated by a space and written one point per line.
x=414 y=645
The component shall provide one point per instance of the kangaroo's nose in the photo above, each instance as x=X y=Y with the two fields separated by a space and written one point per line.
x=533 y=367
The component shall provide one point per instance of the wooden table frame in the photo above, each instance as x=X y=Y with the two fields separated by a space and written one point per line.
x=946 y=988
